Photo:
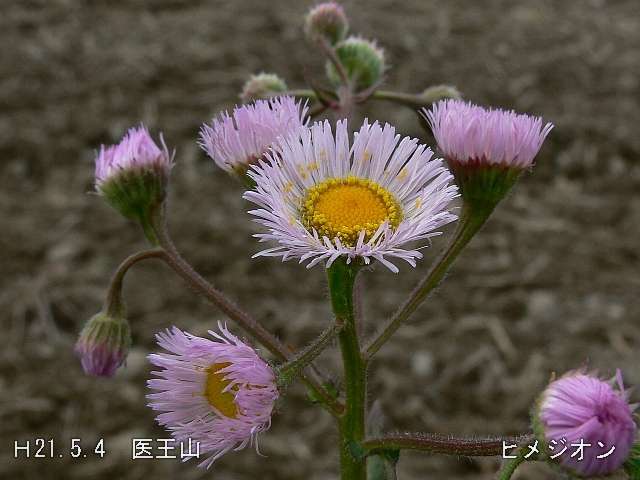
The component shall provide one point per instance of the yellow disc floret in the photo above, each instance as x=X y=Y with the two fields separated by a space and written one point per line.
x=343 y=207
x=223 y=402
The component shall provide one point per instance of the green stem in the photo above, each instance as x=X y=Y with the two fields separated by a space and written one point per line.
x=301 y=92
x=352 y=423
x=419 y=100
x=288 y=371
x=511 y=465
x=471 y=220
x=113 y=304
x=442 y=444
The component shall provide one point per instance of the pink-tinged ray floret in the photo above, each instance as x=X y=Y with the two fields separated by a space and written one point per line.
x=236 y=141
x=181 y=391
x=580 y=406
x=136 y=151
x=470 y=134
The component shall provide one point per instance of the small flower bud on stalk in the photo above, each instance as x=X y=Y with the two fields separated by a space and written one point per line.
x=133 y=176
x=237 y=141
x=486 y=150
x=103 y=344
x=581 y=408
x=328 y=21
x=262 y=85
x=363 y=62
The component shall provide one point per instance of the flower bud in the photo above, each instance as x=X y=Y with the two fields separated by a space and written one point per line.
x=239 y=140
x=486 y=149
x=581 y=408
x=363 y=61
x=262 y=85
x=133 y=175
x=326 y=20
x=103 y=344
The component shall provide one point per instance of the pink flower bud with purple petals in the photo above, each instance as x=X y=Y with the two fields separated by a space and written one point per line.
x=581 y=407
x=103 y=345
x=133 y=174
x=238 y=141
x=486 y=149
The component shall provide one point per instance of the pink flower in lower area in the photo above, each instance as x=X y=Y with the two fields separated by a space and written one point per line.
x=217 y=392
x=237 y=141
x=581 y=407
x=467 y=133
x=136 y=151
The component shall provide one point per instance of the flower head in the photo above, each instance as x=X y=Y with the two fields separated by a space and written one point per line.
x=363 y=61
x=103 y=344
x=133 y=174
x=326 y=20
x=217 y=392
x=486 y=149
x=467 y=133
x=321 y=199
x=237 y=141
x=262 y=85
x=580 y=406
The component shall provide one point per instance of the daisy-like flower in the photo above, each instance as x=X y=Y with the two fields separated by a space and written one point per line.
x=581 y=407
x=235 y=142
x=486 y=149
x=218 y=392
x=321 y=199
x=133 y=174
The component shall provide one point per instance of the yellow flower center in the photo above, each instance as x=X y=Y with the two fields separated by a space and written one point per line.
x=223 y=402
x=343 y=207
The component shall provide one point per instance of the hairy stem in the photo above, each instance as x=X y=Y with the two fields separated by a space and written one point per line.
x=418 y=100
x=288 y=371
x=352 y=423
x=468 y=225
x=442 y=444
x=113 y=303
x=200 y=285
x=511 y=465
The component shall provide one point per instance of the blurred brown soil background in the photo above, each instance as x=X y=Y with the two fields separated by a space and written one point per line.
x=550 y=284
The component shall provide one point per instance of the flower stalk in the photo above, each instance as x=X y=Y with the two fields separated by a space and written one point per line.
x=288 y=371
x=472 y=218
x=352 y=423
x=255 y=329
x=442 y=444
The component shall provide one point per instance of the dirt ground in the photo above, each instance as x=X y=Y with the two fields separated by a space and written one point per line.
x=550 y=284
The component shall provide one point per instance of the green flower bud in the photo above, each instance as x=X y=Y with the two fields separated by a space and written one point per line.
x=262 y=85
x=363 y=61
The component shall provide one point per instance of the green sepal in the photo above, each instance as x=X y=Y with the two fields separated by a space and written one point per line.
x=632 y=465
x=484 y=185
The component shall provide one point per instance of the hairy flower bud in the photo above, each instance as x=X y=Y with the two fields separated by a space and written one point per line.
x=262 y=85
x=363 y=61
x=133 y=175
x=579 y=408
x=326 y=20
x=486 y=149
x=103 y=344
